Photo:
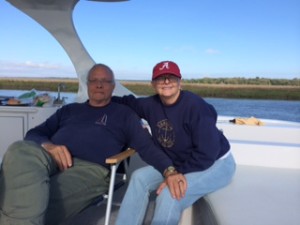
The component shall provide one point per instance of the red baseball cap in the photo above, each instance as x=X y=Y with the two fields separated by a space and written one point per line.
x=166 y=67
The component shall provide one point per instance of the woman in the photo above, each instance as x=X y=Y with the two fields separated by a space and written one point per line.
x=183 y=125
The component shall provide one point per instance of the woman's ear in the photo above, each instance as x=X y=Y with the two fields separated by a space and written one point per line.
x=153 y=84
x=180 y=84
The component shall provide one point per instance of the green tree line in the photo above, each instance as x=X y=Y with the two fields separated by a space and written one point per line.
x=207 y=87
x=246 y=81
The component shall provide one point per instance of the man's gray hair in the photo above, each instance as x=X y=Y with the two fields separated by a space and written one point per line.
x=100 y=65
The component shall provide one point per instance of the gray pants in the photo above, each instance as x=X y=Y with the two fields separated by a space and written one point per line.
x=34 y=192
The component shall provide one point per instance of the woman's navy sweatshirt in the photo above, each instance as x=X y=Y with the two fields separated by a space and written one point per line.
x=186 y=131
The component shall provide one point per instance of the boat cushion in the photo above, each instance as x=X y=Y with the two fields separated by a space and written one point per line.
x=256 y=196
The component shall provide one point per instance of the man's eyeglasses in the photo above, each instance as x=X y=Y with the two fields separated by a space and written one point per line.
x=101 y=82
x=163 y=79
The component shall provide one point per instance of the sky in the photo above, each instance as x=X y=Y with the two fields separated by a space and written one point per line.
x=206 y=38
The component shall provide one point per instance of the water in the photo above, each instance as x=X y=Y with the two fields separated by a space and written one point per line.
x=263 y=109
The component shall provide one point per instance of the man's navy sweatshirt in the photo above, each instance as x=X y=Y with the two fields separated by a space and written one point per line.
x=95 y=133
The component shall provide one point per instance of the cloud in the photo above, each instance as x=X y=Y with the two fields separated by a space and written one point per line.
x=31 y=64
x=35 y=69
x=211 y=51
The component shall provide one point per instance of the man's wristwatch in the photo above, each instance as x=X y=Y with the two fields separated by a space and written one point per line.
x=170 y=170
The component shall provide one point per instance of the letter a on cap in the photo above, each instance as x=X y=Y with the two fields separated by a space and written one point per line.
x=165 y=65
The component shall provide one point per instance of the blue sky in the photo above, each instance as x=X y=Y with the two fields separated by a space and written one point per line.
x=207 y=38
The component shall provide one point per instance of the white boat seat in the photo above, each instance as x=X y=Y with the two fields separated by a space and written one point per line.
x=256 y=196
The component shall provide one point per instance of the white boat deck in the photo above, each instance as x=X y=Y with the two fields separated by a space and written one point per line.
x=266 y=187
x=275 y=144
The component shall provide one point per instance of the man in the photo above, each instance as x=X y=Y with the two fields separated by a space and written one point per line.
x=59 y=169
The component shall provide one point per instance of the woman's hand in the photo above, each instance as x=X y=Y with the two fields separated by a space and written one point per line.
x=176 y=183
x=60 y=154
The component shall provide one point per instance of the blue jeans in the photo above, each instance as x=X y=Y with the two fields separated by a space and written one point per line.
x=167 y=209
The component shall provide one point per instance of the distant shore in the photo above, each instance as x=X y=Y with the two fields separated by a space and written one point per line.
x=237 y=91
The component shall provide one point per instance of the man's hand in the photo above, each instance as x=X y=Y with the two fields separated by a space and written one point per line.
x=176 y=183
x=60 y=154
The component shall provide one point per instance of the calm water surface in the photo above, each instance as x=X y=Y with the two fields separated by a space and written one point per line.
x=264 y=109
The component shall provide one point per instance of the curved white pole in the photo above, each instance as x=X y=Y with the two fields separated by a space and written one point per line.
x=56 y=17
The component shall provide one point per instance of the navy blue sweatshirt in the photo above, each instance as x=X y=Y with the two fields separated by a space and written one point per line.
x=186 y=130
x=95 y=133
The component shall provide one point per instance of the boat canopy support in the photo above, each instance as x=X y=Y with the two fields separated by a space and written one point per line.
x=56 y=17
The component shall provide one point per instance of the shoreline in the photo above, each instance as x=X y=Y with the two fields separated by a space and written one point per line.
x=237 y=91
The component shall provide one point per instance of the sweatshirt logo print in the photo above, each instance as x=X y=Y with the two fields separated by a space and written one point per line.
x=165 y=133
x=102 y=120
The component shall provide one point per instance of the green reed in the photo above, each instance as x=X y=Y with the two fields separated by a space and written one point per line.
x=145 y=88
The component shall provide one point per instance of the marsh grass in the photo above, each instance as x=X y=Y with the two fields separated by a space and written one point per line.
x=283 y=92
x=71 y=85
x=246 y=91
